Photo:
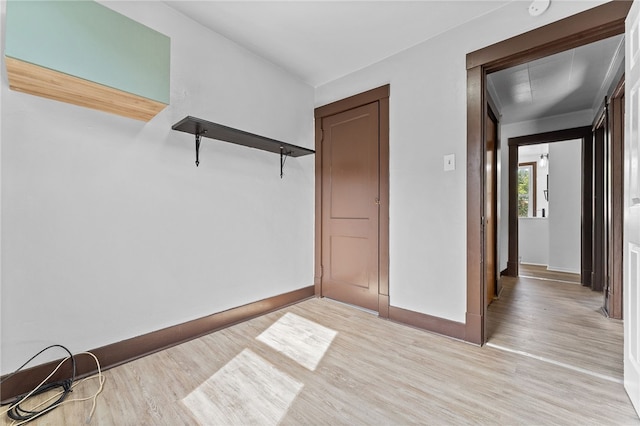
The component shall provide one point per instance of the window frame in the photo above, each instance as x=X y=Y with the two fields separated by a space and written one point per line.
x=533 y=186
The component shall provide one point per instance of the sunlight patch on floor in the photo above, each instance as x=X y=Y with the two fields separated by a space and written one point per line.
x=247 y=390
x=300 y=339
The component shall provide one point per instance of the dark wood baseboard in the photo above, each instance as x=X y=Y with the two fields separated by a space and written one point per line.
x=427 y=322
x=473 y=328
x=383 y=306
x=504 y=272
x=137 y=347
x=512 y=269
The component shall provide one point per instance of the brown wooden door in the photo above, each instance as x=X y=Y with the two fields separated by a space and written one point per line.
x=350 y=205
x=490 y=205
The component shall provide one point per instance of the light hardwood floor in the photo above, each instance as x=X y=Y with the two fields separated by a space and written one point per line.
x=374 y=372
x=558 y=320
x=539 y=271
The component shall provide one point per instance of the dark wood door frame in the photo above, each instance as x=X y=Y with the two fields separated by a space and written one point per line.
x=587 y=27
x=608 y=249
x=598 y=267
x=586 y=256
x=380 y=95
x=616 y=136
x=583 y=133
x=491 y=213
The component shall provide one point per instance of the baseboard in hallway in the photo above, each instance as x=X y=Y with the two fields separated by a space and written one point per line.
x=531 y=277
x=542 y=272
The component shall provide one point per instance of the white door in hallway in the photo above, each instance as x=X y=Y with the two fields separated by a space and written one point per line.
x=632 y=208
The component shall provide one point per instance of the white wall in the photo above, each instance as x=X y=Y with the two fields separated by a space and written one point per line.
x=565 y=194
x=533 y=240
x=428 y=121
x=110 y=231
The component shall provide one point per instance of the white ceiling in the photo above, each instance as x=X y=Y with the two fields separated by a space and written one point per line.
x=320 y=41
x=569 y=81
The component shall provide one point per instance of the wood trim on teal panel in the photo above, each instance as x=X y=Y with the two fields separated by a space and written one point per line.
x=90 y=41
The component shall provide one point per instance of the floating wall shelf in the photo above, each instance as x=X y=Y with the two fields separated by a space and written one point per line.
x=86 y=54
x=202 y=128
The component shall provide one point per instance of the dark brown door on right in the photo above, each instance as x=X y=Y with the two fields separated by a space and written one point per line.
x=490 y=228
x=350 y=204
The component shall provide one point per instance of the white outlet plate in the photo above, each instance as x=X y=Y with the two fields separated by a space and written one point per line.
x=449 y=162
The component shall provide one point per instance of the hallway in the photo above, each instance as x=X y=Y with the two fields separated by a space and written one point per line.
x=549 y=317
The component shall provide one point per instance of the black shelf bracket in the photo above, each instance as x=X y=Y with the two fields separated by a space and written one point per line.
x=202 y=128
x=197 y=149
x=283 y=159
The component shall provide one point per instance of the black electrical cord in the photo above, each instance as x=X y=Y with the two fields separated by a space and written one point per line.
x=16 y=412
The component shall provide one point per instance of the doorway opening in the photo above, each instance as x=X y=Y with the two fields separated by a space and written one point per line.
x=592 y=25
x=556 y=241
x=545 y=224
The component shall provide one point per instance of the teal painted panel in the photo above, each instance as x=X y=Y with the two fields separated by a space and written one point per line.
x=90 y=41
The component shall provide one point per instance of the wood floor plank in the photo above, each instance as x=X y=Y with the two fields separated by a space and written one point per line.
x=539 y=271
x=375 y=372
x=559 y=321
